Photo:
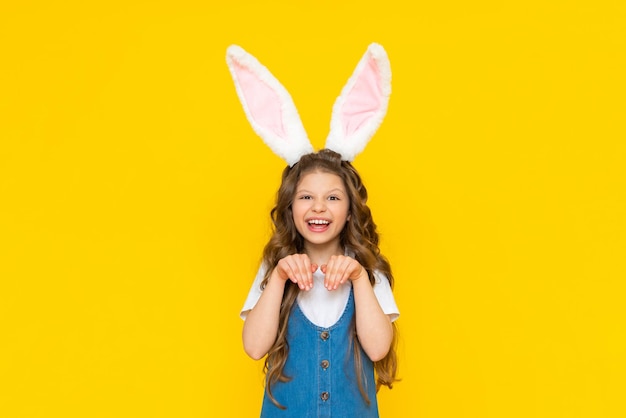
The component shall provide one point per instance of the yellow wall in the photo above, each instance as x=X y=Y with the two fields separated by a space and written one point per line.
x=134 y=200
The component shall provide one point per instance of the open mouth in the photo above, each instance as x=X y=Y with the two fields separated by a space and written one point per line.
x=318 y=225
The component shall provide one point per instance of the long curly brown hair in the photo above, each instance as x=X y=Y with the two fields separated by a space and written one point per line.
x=359 y=235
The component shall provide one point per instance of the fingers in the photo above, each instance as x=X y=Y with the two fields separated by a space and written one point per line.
x=339 y=269
x=298 y=269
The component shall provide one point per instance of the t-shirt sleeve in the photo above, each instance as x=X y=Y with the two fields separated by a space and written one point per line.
x=382 y=290
x=254 y=294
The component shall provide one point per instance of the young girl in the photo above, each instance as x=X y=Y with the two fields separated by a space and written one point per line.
x=321 y=308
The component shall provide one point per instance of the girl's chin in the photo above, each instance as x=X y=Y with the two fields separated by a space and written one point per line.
x=319 y=240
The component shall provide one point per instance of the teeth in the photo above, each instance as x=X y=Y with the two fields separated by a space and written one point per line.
x=318 y=222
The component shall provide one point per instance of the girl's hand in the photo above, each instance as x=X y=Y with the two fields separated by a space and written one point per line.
x=297 y=268
x=341 y=268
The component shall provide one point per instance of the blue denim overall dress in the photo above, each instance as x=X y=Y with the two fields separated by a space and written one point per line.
x=321 y=366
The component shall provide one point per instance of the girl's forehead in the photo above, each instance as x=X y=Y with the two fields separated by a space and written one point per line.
x=320 y=179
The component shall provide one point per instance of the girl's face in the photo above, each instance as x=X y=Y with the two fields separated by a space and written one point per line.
x=320 y=208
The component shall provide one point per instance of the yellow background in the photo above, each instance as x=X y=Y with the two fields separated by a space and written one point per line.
x=134 y=200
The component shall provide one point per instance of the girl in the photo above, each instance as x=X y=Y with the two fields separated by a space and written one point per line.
x=321 y=308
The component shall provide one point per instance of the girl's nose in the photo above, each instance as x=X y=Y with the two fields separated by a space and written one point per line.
x=319 y=206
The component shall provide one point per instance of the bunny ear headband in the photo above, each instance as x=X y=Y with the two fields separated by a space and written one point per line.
x=357 y=112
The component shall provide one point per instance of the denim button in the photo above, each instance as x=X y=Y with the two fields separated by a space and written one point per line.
x=324 y=335
x=325 y=364
x=325 y=396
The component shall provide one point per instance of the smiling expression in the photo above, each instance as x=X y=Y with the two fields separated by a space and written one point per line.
x=320 y=208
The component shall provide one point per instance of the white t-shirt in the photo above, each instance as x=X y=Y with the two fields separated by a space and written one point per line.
x=323 y=307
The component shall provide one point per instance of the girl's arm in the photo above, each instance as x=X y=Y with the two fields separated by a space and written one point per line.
x=261 y=325
x=373 y=326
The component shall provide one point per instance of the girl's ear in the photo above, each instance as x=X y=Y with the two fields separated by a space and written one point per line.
x=268 y=106
x=361 y=107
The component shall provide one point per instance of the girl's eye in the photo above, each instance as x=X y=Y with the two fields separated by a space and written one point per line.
x=333 y=198
x=305 y=197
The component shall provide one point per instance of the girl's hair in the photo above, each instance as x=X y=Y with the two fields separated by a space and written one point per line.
x=359 y=236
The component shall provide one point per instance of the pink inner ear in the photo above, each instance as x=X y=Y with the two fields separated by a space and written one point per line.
x=262 y=101
x=363 y=101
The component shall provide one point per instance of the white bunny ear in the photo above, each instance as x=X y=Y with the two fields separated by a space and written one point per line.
x=268 y=106
x=362 y=104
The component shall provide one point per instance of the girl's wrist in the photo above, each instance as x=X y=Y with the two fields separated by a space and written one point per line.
x=362 y=275
x=275 y=278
